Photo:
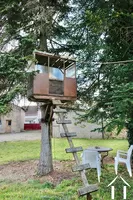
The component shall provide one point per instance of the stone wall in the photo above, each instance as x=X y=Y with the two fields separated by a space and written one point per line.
x=13 y=121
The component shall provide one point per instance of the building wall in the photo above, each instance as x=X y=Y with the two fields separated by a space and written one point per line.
x=32 y=115
x=16 y=117
x=22 y=120
x=83 y=130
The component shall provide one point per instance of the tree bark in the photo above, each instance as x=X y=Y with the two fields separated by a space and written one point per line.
x=43 y=40
x=45 y=163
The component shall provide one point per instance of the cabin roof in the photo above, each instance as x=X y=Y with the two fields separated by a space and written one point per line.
x=44 y=58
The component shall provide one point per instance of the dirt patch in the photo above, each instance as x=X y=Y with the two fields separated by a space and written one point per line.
x=108 y=160
x=27 y=170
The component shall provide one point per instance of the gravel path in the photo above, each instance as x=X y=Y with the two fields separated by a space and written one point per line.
x=27 y=135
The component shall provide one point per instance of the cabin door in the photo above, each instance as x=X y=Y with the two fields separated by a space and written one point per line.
x=8 y=126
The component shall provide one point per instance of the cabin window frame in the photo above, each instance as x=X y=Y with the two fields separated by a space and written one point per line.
x=68 y=68
x=54 y=76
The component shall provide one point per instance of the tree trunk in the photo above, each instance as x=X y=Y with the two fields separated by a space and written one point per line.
x=45 y=163
x=129 y=126
x=43 y=40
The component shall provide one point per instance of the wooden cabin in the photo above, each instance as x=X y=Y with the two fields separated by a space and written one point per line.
x=55 y=78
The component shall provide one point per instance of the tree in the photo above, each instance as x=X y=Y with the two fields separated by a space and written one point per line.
x=28 y=25
x=104 y=30
x=13 y=75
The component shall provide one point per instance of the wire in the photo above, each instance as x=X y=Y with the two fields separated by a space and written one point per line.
x=106 y=63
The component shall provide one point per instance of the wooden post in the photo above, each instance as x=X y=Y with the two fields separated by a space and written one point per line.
x=45 y=163
x=89 y=197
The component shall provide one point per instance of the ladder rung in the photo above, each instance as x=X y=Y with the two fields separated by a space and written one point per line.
x=63 y=121
x=74 y=149
x=87 y=189
x=68 y=134
x=80 y=167
x=59 y=111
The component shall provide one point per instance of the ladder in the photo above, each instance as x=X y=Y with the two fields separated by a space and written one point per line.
x=87 y=189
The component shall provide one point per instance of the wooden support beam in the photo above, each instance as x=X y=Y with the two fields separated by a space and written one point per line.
x=56 y=102
x=59 y=111
x=89 y=197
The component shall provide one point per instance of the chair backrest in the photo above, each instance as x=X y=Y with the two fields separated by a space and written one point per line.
x=91 y=157
x=129 y=152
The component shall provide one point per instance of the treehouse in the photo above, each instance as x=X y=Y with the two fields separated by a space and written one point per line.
x=55 y=78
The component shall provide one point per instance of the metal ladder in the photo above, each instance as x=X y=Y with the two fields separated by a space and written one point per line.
x=87 y=189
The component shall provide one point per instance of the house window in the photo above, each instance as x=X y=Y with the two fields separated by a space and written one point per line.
x=9 y=122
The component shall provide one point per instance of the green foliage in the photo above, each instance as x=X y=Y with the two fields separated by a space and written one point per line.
x=103 y=32
x=25 y=26
x=13 y=75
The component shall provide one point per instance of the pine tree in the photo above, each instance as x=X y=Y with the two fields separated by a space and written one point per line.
x=27 y=25
x=103 y=32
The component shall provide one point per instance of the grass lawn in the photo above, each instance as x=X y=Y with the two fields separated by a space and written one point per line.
x=67 y=189
x=26 y=150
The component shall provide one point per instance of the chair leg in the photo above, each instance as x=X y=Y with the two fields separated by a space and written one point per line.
x=129 y=169
x=116 y=166
x=98 y=173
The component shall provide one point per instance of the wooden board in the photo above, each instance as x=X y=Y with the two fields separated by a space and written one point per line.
x=70 y=87
x=56 y=87
x=68 y=134
x=74 y=149
x=81 y=167
x=63 y=121
x=41 y=84
x=87 y=189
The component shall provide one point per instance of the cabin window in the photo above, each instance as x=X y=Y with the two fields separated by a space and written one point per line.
x=56 y=73
x=70 y=72
x=41 y=68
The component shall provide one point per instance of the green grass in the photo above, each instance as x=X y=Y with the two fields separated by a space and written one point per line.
x=27 y=150
x=67 y=189
x=34 y=190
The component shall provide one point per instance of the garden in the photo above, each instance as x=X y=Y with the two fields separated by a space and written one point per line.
x=19 y=179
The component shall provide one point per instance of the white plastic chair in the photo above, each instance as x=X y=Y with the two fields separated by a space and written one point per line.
x=94 y=160
x=124 y=157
